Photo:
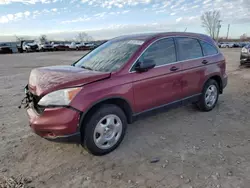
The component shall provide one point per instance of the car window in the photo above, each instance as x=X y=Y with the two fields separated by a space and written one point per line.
x=110 y=56
x=161 y=52
x=188 y=48
x=208 y=49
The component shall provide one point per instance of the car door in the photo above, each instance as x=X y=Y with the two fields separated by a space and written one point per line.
x=194 y=65
x=160 y=85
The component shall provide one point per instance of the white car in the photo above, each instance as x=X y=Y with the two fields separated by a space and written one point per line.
x=74 y=45
x=46 y=46
x=80 y=45
x=29 y=46
x=227 y=45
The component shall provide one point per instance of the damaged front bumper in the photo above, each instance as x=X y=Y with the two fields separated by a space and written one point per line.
x=58 y=124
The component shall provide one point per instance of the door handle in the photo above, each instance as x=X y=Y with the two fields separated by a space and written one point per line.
x=174 y=68
x=204 y=62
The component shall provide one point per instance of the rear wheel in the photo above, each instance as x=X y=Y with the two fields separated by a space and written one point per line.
x=104 y=130
x=209 y=96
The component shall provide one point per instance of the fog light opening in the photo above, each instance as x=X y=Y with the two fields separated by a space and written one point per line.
x=51 y=135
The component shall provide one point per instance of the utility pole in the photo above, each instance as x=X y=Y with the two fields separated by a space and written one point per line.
x=218 y=30
x=228 y=27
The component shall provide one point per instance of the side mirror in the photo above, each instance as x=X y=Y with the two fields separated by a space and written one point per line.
x=145 y=65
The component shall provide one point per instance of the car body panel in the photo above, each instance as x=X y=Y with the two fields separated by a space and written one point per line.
x=245 y=55
x=117 y=86
x=47 y=79
x=156 y=87
x=59 y=121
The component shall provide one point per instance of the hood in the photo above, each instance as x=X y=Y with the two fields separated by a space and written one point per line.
x=47 y=79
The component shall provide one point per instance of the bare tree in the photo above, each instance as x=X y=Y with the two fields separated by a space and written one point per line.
x=243 y=37
x=43 y=38
x=211 y=22
x=84 y=37
x=19 y=39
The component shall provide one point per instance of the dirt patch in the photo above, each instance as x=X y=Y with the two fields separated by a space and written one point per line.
x=181 y=148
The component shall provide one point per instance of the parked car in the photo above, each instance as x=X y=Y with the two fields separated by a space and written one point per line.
x=120 y=81
x=80 y=46
x=46 y=46
x=5 y=48
x=245 y=55
x=90 y=46
x=227 y=45
x=29 y=46
x=219 y=44
x=57 y=46
x=242 y=44
x=236 y=45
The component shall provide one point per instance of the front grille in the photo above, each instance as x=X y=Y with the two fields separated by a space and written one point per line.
x=34 y=47
x=36 y=107
x=32 y=101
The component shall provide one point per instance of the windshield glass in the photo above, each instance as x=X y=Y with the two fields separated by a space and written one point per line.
x=110 y=56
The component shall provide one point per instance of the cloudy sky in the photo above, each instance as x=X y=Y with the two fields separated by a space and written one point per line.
x=109 y=18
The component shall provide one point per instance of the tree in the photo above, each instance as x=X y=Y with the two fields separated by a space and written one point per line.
x=84 y=37
x=243 y=37
x=211 y=22
x=19 y=39
x=43 y=38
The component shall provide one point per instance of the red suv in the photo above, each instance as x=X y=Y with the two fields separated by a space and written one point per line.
x=124 y=78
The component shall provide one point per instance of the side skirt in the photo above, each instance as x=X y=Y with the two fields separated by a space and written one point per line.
x=166 y=107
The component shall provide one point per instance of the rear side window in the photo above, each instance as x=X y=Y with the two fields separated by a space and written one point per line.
x=208 y=49
x=162 y=52
x=188 y=48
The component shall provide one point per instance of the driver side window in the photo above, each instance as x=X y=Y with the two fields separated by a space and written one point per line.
x=161 y=52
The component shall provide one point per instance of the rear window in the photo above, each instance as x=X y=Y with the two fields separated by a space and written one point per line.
x=208 y=49
x=188 y=48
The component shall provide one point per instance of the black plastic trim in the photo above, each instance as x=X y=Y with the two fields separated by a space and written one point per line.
x=165 y=107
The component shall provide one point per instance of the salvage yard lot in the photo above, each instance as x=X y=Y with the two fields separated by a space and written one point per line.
x=195 y=149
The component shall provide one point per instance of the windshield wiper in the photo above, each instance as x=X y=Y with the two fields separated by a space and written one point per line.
x=88 y=68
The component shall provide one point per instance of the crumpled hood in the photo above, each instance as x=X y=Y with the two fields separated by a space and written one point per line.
x=47 y=79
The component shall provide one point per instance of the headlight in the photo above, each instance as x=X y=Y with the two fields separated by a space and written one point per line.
x=59 y=98
x=244 y=50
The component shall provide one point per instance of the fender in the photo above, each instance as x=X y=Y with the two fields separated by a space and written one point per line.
x=114 y=99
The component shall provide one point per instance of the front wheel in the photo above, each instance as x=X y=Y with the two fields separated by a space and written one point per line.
x=210 y=95
x=104 y=130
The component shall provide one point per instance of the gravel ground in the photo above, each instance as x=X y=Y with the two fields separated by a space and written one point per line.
x=191 y=149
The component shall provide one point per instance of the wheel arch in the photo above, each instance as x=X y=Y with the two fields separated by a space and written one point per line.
x=218 y=79
x=119 y=101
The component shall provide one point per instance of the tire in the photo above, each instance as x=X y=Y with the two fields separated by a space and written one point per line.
x=202 y=103
x=100 y=137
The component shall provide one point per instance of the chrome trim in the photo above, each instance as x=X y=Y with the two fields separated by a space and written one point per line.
x=218 y=52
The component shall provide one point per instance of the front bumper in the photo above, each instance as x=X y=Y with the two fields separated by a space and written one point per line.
x=245 y=58
x=55 y=123
x=224 y=80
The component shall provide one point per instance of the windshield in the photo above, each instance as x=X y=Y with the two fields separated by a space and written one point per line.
x=110 y=56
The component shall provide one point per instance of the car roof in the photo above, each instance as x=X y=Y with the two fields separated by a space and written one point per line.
x=149 y=36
